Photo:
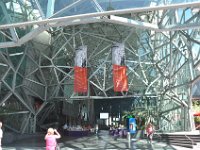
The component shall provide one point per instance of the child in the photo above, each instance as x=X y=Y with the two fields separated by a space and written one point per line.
x=50 y=138
x=150 y=132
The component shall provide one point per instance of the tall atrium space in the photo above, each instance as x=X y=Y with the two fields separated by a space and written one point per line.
x=60 y=59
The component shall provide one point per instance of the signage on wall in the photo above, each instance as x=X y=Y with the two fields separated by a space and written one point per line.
x=104 y=115
x=132 y=125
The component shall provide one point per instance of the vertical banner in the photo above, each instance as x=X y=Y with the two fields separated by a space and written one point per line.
x=132 y=125
x=80 y=70
x=118 y=54
x=84 y=113
x=120 y=79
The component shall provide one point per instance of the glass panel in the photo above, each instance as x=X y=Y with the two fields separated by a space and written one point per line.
x=18 y=11
x=22 y=11
x=75 y=7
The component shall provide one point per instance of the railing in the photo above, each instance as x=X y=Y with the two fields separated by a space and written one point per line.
x=157 y=133
x=192 y=142
x=176 y=139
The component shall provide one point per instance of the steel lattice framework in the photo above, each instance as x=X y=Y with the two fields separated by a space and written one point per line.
x=37 y=48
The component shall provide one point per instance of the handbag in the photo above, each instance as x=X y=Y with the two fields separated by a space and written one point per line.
x=57 y=147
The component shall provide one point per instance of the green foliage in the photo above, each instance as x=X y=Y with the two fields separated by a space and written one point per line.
x=137 y=114
x=197 y=119
x=196 y=108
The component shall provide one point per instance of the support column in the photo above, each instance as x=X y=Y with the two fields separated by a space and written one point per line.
x=190 y=105
x=190 y=112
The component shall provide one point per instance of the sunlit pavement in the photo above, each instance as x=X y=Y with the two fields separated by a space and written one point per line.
x=93 y=142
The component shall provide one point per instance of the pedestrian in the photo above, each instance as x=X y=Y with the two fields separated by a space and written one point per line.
x=150 y=132
x=96 y=129
x=50 y=137
x=1 y=134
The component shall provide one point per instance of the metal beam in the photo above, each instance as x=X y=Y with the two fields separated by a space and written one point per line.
x=50 y=8
x=100 y=14
x=132 y=23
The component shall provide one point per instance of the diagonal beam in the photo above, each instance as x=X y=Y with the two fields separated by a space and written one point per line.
x=8 y=19
x=42 y=28
x=131 y=23
x=25 y=38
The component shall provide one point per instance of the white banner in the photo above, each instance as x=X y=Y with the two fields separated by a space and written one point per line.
x=118 y=54
x=81 y=56
x=84 y=112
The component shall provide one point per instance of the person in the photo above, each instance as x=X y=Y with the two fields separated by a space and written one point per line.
x=65 y=127
x=150 y=132
x=50 y=138
x=96 y=129
x=1 y=134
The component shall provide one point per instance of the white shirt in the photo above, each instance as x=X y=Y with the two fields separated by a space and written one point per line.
x=65 y=126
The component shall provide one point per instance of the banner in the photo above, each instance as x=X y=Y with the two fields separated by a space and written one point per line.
x=80 y=56
x=118 y=54
x=120 y=79
x=196 y=114
x=80 y=70
x=80 y=80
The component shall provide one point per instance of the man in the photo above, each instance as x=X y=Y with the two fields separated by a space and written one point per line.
x=1 y=134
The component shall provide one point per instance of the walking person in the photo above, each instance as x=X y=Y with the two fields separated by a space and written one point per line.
x=96 y=129
x=1 y=134
x=50 y=138
x=150 y=132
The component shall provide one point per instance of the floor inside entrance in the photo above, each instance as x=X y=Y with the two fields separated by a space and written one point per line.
x=101 y=142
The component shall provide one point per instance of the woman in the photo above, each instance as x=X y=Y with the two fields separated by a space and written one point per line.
x=50 y=138
x=150 y=131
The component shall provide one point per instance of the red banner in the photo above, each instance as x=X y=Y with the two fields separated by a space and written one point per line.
x=80 y=80
x=120 y=78
x=196 y=114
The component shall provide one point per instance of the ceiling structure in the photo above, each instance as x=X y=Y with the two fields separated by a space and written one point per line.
x=38 y=39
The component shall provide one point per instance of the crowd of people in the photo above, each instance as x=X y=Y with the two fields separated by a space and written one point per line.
x=77 y=127
x=121 y=131
x=116 y=131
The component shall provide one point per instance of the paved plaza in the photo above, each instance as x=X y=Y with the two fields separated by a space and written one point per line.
x=93 y=142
